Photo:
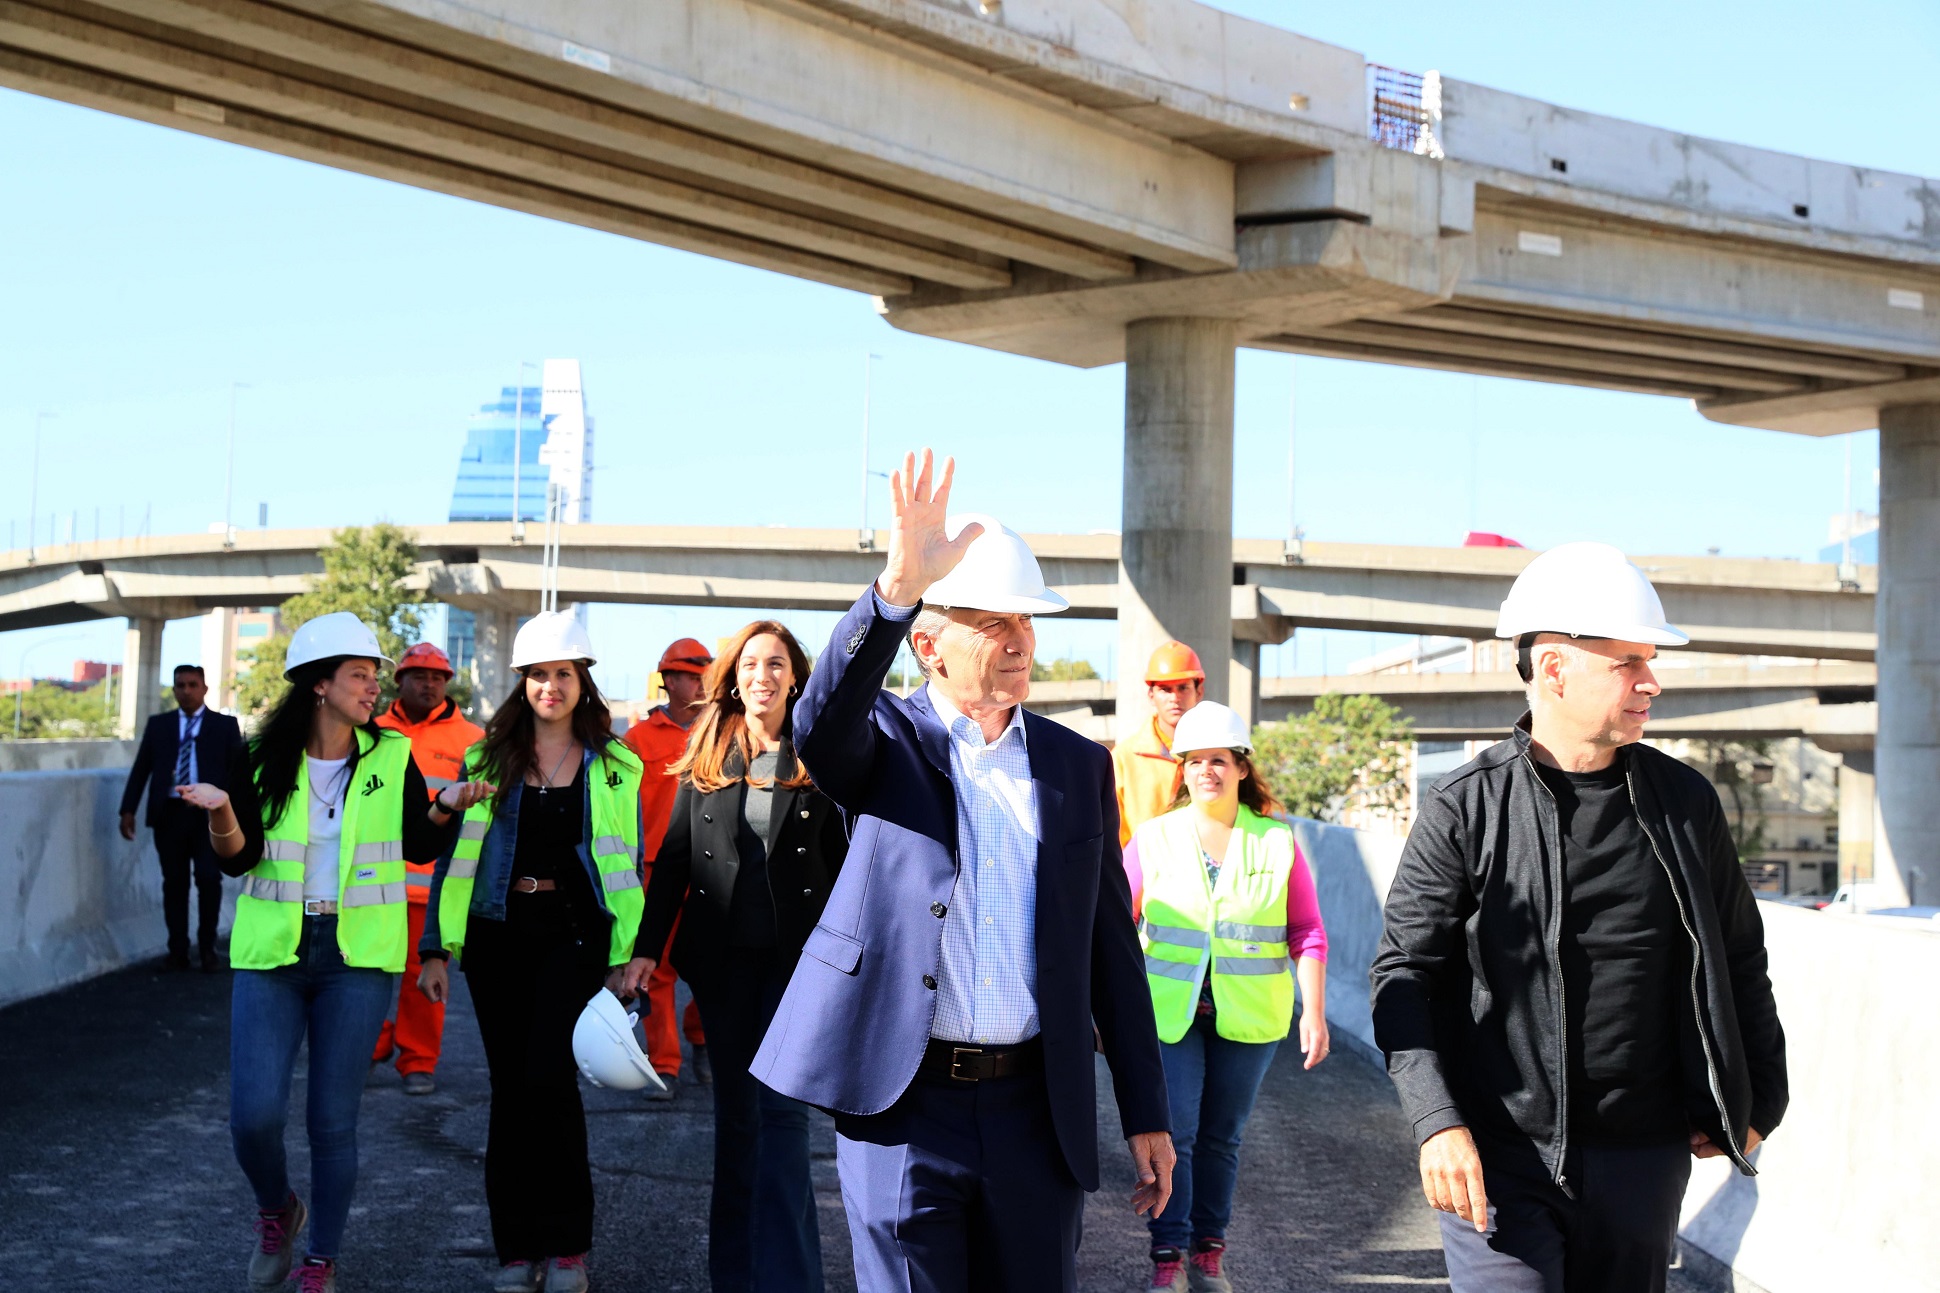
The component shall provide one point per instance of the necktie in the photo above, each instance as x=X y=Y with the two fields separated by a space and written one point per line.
x=187 y=752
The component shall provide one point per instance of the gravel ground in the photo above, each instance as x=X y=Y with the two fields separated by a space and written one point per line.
x=117 y=1173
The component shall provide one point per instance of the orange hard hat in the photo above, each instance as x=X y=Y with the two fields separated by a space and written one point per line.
x=685 y=656
x=425 y=656
x=1174 y=662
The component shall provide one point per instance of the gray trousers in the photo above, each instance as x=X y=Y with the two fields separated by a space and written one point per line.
x=1616 y=1236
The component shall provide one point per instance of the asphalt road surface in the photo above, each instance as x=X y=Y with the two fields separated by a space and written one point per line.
x=117 y=1172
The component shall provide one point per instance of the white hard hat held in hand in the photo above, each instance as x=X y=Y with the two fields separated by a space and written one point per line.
x=998 y=573
x=1587 y=590
x=551 y=635
x=1210 y=725
x=605 y=1048
x=339 y=634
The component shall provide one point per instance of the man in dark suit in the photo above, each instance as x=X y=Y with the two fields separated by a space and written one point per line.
x=192 y=744
x=944 y=1006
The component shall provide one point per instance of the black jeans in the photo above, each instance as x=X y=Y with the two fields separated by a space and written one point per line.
x=762 y=1231
x=182 y=843
x=530 y=976
x=1615 y=1236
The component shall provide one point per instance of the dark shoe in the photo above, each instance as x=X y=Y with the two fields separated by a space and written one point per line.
x=566 y=1274
x=1168 y=1271
x=703 y=1067
x=276 y=1233
x=1203 y=1274
x=175 y=961
x=419 y=1084
x=670 y=1083
x=520 y=1277
x=317 y=1275
x=209 y=963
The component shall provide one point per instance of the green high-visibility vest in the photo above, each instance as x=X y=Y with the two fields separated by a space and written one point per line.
x=614 y=785
x=1235 y=930
x=372 y=929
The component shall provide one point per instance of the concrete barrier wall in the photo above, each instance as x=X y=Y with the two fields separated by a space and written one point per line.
x=76 y=900
x=1849 y=1186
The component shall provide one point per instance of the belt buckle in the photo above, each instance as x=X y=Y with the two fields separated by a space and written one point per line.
x=525 y=884
x=956 y=1062
x=318 y=907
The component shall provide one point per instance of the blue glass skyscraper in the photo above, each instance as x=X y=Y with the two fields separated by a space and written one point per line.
x=483 y=491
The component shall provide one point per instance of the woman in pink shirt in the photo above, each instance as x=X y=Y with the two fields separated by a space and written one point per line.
x=1230 y=924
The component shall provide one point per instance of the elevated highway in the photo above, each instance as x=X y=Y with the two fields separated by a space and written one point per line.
x=1153 y=181
x=1774 y=608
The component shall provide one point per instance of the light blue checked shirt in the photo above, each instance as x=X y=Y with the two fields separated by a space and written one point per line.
x=986 y=992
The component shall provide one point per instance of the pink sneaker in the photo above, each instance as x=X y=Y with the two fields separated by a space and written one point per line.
x=1168 y=1271
x=276 y=1232
x=316 y=1275
x=1203 y=1271
x=566 y=1274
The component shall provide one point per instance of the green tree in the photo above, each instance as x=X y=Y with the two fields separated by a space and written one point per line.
x=51 y=711
x=1062 y=671
x=1347 y=752
x=1741 y=770
x=364 y=572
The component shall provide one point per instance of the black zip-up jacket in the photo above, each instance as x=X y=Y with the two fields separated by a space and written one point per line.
x=1468 y=983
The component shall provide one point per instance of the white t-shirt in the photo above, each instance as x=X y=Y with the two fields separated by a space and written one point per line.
x=328 y=782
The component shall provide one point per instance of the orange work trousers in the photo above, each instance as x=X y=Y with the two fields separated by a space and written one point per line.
x=663 y=1037
x=418 y=1032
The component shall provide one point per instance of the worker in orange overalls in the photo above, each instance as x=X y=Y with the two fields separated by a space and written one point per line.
x=1142 y=762
x=659 y=739
x=439 y=738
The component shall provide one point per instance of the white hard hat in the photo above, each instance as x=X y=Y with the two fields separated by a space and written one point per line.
x=1210 y=725
x=328 y=637
x=551 y=635
x=997 y=573
x=1587 y=590
x=605 y=1048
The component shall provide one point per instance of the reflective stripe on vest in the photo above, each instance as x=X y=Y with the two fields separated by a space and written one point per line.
x=1232 y=933
x=613 y=787
x=372 y=931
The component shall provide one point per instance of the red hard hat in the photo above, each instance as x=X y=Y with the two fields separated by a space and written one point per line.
x=1174 y=662
x=425 y=656
x=685 y=656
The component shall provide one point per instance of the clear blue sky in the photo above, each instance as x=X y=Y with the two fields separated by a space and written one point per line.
x=144 y=270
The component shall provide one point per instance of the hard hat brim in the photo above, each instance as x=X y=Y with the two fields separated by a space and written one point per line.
x=1654 y=635
x=382 y=659
x=1048 y=603
x=1177 y=675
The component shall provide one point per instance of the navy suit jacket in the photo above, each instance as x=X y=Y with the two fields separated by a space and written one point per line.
x=218 y=752
x=856 y=1018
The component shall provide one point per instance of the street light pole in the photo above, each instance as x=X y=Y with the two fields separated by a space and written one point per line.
x=229 y=478
x=33 y=506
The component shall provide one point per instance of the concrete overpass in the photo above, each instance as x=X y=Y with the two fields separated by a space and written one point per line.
x=1734 y=605
x=1148 y=180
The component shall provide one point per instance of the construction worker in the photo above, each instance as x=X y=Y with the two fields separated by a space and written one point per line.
x=660 y=739
x=1571 y=987
x=1142 y=763
x=440 y=735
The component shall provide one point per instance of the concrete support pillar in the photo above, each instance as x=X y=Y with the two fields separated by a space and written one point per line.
x=1906 y=857
x=492 y=663
x=141 y=675
x=1858 y=815
x=1175 y=565
x=1243 y=689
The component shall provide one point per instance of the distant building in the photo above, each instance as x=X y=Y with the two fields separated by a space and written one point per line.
x=552 y=433
x=228 y=635
x=1864 y=529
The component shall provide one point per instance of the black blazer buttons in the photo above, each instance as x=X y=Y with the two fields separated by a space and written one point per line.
x=707 y=853
x=801 y=851
x=808 y=893
x=929 y=982
x=804 y=812
x=707 y=817
x=938 y=910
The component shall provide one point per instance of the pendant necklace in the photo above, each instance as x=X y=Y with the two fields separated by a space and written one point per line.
x=545 y=784
x=329 y=801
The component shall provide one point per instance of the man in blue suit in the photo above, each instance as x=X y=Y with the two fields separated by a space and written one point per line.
x=194 y=743
x=944 y=1008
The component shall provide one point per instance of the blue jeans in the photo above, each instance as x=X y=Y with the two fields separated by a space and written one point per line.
x=763 y=1231
x=341 y=1009
x=1211 y=1083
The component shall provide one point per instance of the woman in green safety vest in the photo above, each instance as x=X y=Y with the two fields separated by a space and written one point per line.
x=319 y=834
x=1229 y=922
x=540 y=901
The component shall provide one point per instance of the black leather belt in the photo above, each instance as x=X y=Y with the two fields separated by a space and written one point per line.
x=963 y=1062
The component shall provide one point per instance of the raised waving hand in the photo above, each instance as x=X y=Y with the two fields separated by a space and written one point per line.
x=920 y=549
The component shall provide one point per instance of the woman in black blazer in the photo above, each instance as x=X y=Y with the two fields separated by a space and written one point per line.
x=750 y=854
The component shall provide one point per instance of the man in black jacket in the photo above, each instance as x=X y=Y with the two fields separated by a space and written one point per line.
x=193 y=743
x=1571 y=985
